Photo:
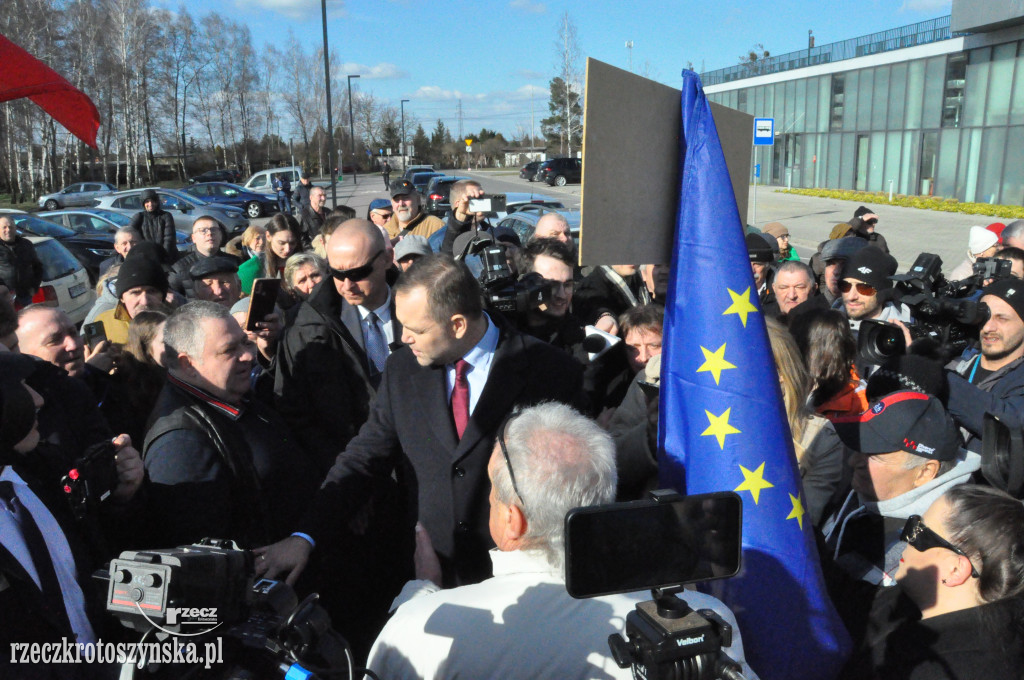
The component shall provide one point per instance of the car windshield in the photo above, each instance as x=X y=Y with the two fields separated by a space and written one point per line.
x=57 y=260
x=111 y=216
x=38 y=227
x=166 y=195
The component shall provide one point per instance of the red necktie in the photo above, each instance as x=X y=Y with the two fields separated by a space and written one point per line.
x=460 y=396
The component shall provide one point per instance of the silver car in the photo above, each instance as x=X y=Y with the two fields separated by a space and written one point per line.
x=65 y=282
x=83 y=193
x=182 y=207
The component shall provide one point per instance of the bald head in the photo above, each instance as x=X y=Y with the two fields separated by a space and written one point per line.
x=359 y=262
x=553 y=225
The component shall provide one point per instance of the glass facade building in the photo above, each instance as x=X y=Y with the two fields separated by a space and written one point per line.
x=933 y=113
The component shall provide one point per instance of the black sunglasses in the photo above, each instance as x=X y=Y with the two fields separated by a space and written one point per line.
x=356 y=273
x=916 y=534
x=504 y=452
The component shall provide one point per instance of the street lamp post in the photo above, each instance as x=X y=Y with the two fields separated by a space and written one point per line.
x=351 y=131
x=403 y=133
x=330 y=120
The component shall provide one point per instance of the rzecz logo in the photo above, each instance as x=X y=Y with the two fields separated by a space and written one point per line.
x=191 y=616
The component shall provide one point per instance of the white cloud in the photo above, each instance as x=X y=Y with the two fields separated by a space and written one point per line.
x=381 y=71
x=435 y=93
x=529 y=6
x=926 y=5
x=299 y=10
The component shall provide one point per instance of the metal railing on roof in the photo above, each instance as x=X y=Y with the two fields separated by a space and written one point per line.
x=921 y=33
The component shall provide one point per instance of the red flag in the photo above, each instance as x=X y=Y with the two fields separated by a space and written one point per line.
x=22 y=75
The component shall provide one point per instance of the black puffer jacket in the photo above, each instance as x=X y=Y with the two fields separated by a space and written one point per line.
x=158 y=227
x=20 y=267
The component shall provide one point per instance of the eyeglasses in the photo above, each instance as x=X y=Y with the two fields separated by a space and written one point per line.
x=504 y=452
x=205 y=231
x=862 y=288
x=916 y=534
x=356 y=273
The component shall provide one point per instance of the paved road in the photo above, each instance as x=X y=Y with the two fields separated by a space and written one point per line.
x=909 y=231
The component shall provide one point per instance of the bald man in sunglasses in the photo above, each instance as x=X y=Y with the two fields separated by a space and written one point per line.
x=331 y=358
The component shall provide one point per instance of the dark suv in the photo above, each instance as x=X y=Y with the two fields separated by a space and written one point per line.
x=229 y=176
x=561 y=171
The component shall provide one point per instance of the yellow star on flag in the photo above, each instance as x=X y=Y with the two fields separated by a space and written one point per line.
x=715 y=362
x=754 y=482
x=798 y=511
x=719 y=427
x=740 y=305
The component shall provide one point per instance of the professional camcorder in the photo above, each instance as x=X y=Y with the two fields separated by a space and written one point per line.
x=502 y=290
x=948 y=313
x=208 y=589
x=91 y=478
x=663 y=544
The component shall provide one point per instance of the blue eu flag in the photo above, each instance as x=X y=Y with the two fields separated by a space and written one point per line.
x=723 y=425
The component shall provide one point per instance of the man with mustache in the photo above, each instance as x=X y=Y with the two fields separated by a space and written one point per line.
x=408 y=217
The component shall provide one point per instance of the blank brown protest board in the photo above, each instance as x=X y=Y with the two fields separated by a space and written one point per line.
x=630 y=192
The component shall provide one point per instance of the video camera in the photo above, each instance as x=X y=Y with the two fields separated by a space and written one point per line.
x=946 y=312
x=663 y=544
x=91 y=478
x=501 y=289
x=209 y=588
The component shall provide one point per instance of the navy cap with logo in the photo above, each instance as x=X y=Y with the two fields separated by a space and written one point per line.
x=902 y=421
x=758 y=249
x=402 y=187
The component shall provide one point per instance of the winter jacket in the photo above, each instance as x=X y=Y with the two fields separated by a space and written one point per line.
x=1001 y=393
x=158 y=227
x=20 y=268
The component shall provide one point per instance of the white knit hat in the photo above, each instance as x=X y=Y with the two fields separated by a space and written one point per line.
x=980 y=240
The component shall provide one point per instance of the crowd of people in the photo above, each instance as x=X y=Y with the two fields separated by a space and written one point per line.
x=383 y=437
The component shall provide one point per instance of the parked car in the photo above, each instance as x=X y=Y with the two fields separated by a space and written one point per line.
x=254 y=204
x=184 y=208
x=216 y=176
x=82 y=193
x=437 y=193
x=529 y=171
x=524 y=222
x=262 y=181
x=99 y=221
x=65 y=282
x=413 y=169
x=561 y=171
x=516 y=201
x=89 y=249
x=420 y=180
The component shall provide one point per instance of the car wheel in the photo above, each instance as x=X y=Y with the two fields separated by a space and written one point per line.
x=560 y=181
x=51 y=205
x=253 y=209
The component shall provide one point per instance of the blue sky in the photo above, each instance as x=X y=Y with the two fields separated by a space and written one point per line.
x=496 y=54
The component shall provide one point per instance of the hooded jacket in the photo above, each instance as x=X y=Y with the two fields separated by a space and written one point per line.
x=863 y=537
x=158 y=227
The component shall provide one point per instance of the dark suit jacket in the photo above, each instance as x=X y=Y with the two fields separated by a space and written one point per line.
x=323 y=386
x=410 y=432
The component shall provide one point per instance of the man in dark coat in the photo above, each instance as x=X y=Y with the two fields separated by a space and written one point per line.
x=300 y=197
x=207 y=239
x=20 y=268
x=219 y=462
x=433 y=423
x=863 y=224
x=156 y=225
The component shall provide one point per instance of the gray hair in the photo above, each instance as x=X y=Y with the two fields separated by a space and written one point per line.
x=561 y=460
x=183 y=332
x=796 y=266
x=300 y=260
x=1014 y=230
x=915 y=461
x=127 y=231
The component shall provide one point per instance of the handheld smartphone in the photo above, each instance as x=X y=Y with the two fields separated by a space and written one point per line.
x=94 y=334
x=639 y=545
x=262 y=301
x=488 y=203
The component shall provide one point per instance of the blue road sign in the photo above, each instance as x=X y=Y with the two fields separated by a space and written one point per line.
x=757 y=170
x=764 y=131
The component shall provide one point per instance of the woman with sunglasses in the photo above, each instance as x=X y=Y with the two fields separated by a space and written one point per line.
x=282 y=241
x=958 y=610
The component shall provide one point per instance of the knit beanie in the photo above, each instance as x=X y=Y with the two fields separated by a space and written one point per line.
x=137 y=270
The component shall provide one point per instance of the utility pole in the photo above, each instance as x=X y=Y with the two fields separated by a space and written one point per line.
x=533 y=137
x=629 y=49
x=330 y=121
x=403 y=134
x=351 y=132
x=460 y=117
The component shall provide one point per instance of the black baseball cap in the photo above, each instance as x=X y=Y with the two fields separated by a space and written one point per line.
x=218 y=264
x=759 y=250
x=402 y=187
x=902 y=421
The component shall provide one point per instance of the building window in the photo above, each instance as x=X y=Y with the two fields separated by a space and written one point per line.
x=953 y=92
x=741 y=101
x=838 y=82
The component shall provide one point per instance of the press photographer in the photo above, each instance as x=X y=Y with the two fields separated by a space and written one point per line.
x=991 y=379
